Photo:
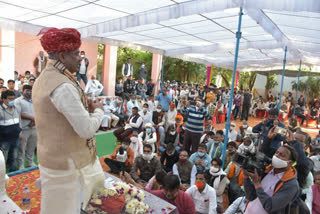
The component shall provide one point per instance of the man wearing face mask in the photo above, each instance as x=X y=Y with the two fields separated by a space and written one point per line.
x=9 y=129
x=242 y=131
x=159 y=120
x=145 y=115
x=136 y=144
x=109 y=116
x=28 y=134
x=148 y=165
x=148 y=137
x=201 y=159
x=27 y=77
x=232 y=136
x=194 y=127
x=171 y=136
x=94 y=88
x=215 y=145
x=121 y=160
x=132 y=103
x=231 y=151
x=217 y=179
x=143 y=72
x=164 y=99
x=278 y=187
x=169 y=157
x=246 y=146
x=40 y=62
x=203 y=195
x=83 y=68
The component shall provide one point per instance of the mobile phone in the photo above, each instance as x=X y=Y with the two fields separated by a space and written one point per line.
x=281 y=131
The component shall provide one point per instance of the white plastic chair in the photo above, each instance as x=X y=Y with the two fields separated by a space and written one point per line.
x=6 y=204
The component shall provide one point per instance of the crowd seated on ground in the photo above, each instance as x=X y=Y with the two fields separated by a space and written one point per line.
x=168 y=144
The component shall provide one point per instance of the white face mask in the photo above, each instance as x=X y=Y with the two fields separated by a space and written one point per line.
x=277 y=163
x=82 y=56
x=125 y=146
x=214 y=169
x=145 y=110
x=245 y=126
x=134 y=139
x=147 y=157
x=158 y=110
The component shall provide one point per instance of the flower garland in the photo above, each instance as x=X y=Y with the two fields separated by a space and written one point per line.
x=134 y=199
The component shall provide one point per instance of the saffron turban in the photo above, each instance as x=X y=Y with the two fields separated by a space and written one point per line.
x=54 y=40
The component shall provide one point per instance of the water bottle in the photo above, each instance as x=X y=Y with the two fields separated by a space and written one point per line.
x=26 y=200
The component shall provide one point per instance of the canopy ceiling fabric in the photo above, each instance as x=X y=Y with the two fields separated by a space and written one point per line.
x=200 y=30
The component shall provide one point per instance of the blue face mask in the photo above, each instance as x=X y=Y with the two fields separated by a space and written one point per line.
x=142 y=66
x=133 y=101
x=201 y=154
x=11 y=103
x=148 y=130
x=41 y=55
x=108 y=102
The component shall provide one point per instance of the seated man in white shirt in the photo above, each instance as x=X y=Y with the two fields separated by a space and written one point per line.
x=148 y=137
x=132 y=103
x=146 y=115
x=133 y=124
x=94 y=87
x=109 y=116
x=232 y=136
x=203 y=195
x=151 y=103
x=171 y=115
x=136 y=144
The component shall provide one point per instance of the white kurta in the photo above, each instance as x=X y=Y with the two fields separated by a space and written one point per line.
x=63 y=191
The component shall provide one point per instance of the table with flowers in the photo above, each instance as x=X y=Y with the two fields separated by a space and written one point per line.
x=117 y=196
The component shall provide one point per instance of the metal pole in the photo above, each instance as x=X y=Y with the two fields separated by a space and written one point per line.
x=306 y=91
x=227 y=127
x=295 y=101
x=162 y=70
x=283 y=71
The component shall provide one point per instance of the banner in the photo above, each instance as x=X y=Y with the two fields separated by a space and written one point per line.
x=209 y=74
x=236 y=80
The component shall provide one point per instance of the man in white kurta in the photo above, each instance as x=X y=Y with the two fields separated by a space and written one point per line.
x=66 y=123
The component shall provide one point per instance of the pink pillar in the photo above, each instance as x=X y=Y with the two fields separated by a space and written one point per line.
x=156 y=71
x=109 y=69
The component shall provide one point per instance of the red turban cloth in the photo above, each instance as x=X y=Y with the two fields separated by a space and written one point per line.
x=56 y=40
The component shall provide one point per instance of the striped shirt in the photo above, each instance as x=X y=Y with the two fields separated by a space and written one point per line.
x=195 y=119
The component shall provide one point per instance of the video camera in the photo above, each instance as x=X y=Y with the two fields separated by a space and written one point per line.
x=250 y=162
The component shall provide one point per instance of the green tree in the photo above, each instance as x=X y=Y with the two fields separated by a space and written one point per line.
x=271 y=83
x=312 y=89
x=226 y=75
x=247 y=80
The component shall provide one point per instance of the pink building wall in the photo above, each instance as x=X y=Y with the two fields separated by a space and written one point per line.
x=27 y=47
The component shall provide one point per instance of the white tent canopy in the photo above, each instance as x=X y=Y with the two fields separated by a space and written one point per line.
x=200 y=30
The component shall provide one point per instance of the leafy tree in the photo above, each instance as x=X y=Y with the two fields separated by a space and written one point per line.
x=271 y=83
x=247 y=80
x=226 y=75
x=312 y=89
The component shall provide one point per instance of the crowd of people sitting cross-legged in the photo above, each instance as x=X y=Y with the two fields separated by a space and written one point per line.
x=179 y=154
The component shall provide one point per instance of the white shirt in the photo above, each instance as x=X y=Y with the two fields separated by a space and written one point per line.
x=232 y=136
x=316 y=161
x=146 y=117
x=192 y=176
x=150 y=139
x=67 y=101
x=94 y=87
x=137 y=147
x=242 y=148
x=130 y=105
x=184 y=93
x=107 y=109
x=171 y=117
x=238 y=205
x=151 y=105
x=206 y=201
x=137 y=124
x=83 y=67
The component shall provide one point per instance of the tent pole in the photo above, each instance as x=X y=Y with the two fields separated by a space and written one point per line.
x=306 y=91
x=283 y=71
x=162 y=70
x=295 y=101
x=227 y=127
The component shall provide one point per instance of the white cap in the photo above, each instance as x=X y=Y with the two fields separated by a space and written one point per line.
x=233 y=124
x=149 y=125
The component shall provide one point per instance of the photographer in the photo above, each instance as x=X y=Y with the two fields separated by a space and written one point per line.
x=304 y=164
x=264 y=127
x=122 y=158
x=278 y=186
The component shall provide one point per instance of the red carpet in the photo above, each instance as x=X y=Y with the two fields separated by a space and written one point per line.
x=16 y=187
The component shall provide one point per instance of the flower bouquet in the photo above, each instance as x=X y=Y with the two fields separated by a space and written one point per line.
x=117 y=198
